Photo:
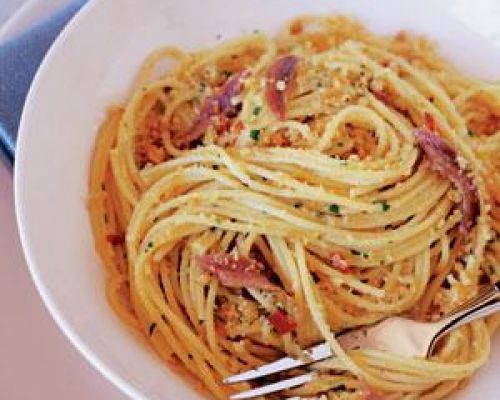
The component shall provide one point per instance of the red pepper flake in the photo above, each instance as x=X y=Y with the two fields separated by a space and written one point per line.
x=223 y=125
x=115 y=238
x=282 y=322
x=337 y=261
x=384 y=96
x=430 y=122
x=296 y=27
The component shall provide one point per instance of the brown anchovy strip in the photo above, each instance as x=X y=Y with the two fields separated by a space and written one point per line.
x=236 y=271
x=443 y=159
x=218 y=104
x=284 y=70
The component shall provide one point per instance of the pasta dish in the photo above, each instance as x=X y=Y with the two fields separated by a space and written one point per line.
x=255 y=198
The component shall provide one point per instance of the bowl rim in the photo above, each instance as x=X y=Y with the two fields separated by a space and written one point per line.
x=57 y=315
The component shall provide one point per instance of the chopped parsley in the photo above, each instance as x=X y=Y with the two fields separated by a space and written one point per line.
x=383 y=203
x=215 y=167
x=256 y=111
x=355 y=252
x=152 y=328
x=254 y=134
x=334 y=208
x=470 y=133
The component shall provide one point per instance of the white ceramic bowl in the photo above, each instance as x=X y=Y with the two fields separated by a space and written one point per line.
x=91 y=65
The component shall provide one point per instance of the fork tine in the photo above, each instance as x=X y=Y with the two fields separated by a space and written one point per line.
x=315 y=353
x=275 y=387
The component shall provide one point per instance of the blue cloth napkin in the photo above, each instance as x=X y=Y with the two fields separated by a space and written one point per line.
x=19 y=61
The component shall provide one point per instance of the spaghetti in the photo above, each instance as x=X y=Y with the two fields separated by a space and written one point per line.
x=263 y=195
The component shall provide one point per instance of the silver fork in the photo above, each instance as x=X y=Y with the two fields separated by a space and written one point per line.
x=396 y=335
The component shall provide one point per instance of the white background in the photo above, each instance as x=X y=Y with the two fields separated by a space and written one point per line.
x=36 y=361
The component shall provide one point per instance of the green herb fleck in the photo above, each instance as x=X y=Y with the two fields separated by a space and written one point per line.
x=334 y=208
x=152 y=328
x=150 y=245
x=383 y=203
x=470 y=133
x=257 y=110
x=365 y=255
x=215 y=167
x=355 y=252
x=298 y=205
x=254 y=134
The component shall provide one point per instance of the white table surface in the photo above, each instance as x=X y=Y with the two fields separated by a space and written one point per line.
x=36 y=361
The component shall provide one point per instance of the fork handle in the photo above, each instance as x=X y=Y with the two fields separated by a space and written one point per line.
x=485 y=303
